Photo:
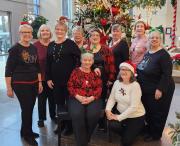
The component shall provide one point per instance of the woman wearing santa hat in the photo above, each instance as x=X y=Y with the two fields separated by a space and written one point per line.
x=126 y=92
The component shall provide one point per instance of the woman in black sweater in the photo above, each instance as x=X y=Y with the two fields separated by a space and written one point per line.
x=155 y=78
x=119 y=47
x=24 y=78
x=63 y=56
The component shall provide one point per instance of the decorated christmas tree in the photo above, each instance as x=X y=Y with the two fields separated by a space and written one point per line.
x=104 y=13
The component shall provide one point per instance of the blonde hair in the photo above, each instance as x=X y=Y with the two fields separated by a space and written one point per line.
x=59 y=23
x=41 y=27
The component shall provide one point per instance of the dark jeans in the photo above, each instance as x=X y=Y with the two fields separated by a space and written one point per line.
x=128 y=129
x=84 y=119
x=26 y=95
x=47 y=94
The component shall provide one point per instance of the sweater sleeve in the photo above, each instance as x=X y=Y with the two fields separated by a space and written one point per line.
x=11 y=62
x=72 y=83
x=125 y=50
x=48 y=74
x=76 y=54
x=135 y=99
x=109 y=64
x=97 y=87
x=111 y=100
x=166 y=69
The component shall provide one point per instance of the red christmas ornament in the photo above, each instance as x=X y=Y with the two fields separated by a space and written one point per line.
x=115 y=10
x=103 y=21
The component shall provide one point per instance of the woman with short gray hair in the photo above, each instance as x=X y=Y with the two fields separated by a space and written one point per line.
x=84 y=106
x=119 y=46
x=23 y=78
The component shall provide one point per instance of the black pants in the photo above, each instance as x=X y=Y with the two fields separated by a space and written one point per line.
x=84 y=119
x=26 y=95
x=128 y=129
x=42 y=99
x=157 y=112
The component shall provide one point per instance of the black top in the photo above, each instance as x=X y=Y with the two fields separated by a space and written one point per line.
x=155 y=72
x=121 y=53
x=61 y=60
x=22 y=63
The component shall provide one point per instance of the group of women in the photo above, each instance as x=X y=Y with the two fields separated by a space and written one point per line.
x=78 y=82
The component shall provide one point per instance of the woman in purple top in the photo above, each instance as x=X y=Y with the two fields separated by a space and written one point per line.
x=138 y=46
x=44 y=35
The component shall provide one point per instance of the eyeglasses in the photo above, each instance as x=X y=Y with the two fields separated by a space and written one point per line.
x=123 y=69
x=26 y=32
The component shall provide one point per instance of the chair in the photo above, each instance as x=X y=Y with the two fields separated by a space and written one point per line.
x=62 y=114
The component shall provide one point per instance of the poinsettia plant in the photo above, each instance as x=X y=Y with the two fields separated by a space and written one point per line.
x=176 y=59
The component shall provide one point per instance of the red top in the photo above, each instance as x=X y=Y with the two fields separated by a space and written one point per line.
x=42 y=53
x=84 y=84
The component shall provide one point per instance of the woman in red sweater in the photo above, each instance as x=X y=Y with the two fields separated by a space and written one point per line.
x=84 y=104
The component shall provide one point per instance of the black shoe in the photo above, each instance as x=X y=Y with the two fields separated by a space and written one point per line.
x=40 y=123
x=56 y=131
x=149 y=138
x=31 y=141
x=67 y=132
x=35 y=135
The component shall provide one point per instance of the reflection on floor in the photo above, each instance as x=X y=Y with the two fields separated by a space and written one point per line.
x=10 y=123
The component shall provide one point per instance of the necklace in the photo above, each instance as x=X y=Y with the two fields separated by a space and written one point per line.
x=57 y=52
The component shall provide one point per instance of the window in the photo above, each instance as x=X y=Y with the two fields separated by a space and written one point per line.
x=67 y=8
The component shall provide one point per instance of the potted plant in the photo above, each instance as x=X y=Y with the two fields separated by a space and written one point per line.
x=38 y=21
x=176 y=61
x=175 y=131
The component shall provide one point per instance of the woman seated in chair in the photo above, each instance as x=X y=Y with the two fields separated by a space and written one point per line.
x=84 y=106
x=126 y=92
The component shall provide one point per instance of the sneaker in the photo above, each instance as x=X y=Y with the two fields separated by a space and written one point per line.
x=31 y=141
x=40 y=123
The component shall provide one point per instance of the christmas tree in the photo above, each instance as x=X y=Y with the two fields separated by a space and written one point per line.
x=104 y=13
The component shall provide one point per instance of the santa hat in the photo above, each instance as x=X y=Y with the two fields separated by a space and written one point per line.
x=129 y=65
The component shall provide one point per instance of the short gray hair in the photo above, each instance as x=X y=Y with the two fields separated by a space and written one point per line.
x=87 y=54
x=41 y=27
x=25 y=26
x=116 y=27
x=78 y=28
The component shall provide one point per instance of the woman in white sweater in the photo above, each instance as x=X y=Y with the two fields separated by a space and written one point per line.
x=126 y=92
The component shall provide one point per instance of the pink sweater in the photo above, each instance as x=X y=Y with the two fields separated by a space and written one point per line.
x=138 y=49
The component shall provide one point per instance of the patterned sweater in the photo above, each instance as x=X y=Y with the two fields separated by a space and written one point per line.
x=84 y=84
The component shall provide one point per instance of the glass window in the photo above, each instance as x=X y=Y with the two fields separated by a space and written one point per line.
x=67 y=8
x=5 y=39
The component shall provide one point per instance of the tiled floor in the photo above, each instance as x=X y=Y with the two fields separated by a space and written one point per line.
x=10 y=123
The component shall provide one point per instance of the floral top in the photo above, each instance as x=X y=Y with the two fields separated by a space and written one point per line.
x=138 y=49
x=84 y=84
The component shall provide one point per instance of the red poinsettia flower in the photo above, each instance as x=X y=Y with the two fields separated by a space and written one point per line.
x=176 y=59
x=103 y=21
x=115 y=10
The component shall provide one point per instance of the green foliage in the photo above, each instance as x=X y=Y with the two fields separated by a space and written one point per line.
x=39 y=20
x=175 y=129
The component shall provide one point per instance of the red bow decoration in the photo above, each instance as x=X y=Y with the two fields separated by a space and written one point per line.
x=24 y=22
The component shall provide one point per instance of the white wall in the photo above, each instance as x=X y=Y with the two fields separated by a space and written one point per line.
x=17 y=10
x=51 y=10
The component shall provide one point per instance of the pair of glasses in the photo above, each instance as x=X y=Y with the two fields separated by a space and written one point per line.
x=26 y=32
x=123 y=69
